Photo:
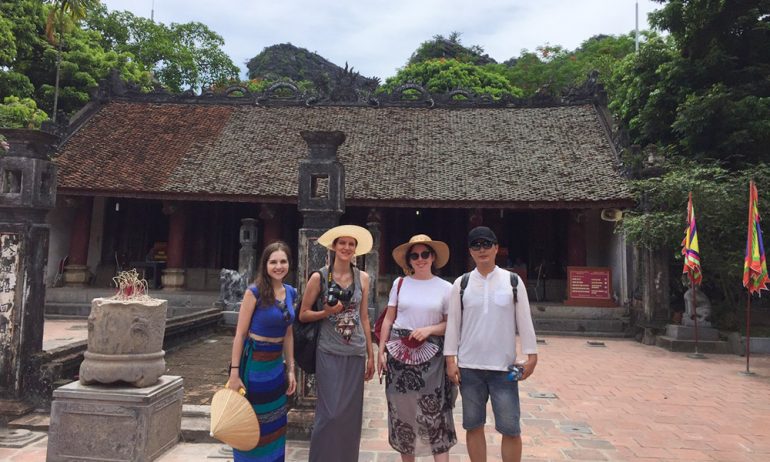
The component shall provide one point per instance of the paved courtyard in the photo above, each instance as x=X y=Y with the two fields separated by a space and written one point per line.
x=621 y=402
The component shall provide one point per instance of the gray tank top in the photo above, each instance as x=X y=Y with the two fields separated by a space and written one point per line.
x=341 y=334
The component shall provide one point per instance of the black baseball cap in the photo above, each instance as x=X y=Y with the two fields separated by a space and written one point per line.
x=481 y=232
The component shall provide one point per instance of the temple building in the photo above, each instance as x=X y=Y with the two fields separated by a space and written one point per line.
x=162 y=182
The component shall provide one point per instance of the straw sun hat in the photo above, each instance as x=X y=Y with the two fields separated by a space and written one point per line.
x=439 y=248
x=362 y=236
x=233 y=420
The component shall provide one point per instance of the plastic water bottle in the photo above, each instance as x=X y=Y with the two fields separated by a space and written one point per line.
x=515 y=372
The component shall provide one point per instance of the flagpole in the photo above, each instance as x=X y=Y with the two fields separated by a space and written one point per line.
x=695 y=355
x=748 y=333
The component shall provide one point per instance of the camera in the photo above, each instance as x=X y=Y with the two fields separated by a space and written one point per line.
x=336 y=294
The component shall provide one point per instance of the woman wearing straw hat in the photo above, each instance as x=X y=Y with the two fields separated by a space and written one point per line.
x=344 y=357
x=262 y=334
x=420 y=396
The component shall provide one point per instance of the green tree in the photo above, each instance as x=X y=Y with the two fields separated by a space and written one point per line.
x=704 y=94
x=554 y=69
x=63 y=15
x=444 y=75
x=441 y=47
x=18 y=112
x=181 y=56
x=721 y=203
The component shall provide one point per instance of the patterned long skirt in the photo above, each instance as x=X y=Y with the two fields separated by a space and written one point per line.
x=420 y=401
x=264 y=374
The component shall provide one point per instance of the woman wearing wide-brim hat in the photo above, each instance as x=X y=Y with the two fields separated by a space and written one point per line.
x=419 y=393
x=344 y=356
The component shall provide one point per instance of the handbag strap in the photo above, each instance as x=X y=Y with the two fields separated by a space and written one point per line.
x=398 y=291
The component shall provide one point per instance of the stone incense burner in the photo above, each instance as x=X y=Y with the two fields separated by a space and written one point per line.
x=125 y=336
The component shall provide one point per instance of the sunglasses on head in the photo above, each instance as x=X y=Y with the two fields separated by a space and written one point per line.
x=477 y=245
x=425 y=254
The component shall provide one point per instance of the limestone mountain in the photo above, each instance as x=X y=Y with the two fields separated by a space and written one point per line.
x=286 y=61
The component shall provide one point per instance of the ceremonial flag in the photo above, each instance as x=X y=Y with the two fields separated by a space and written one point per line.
x=754 y=265
x=690 y=249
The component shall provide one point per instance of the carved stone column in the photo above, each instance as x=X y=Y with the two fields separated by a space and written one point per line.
x=76 y=273
x=373 y=221
x=247 y=255
x=321 y=201
x=27 y=193
x=173 y=275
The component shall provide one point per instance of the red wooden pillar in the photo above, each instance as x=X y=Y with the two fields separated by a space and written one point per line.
x=76 y=272
x=576 y=239
x=271 y=225
x=173 y=275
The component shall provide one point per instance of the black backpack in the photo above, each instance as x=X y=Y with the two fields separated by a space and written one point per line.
x=464 y=284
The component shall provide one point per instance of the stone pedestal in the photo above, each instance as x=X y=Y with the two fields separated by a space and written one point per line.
x=682 y=339
x=76 y=275
x=103 y=422
x=677 y=332
x=172 y=279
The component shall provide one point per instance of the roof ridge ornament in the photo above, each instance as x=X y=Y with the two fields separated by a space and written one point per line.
x=289 y=93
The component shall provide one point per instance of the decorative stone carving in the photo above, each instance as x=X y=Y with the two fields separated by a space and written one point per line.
x=125 y=339
x=232 y=286
x=702 y=309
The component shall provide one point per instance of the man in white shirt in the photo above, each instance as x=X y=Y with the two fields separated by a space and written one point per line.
x=480 y=345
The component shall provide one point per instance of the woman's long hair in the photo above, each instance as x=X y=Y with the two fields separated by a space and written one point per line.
x=263 y=282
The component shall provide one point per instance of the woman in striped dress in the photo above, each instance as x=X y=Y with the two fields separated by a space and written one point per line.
x=263 y=341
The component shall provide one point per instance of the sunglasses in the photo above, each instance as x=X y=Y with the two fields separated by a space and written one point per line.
x=424 y=254
x=284 y=310
x=477 y=245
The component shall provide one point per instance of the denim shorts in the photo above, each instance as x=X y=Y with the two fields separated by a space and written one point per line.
x=477 y=386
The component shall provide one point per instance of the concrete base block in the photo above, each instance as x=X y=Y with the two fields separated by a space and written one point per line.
x=76 y=275
x=173 y=278
x=300 y=423
x=688 y=346
x=116 y=423
x=678 y=332
x=758 y=344
x=230 y=318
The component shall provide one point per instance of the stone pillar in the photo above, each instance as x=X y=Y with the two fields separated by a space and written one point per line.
x=27 y=193
x=271 y=224
x=321 y=201
x=373 y=262
x=76 y=273
x=173 y=275
x=576 y=239
x=247 y=255
x=655 y=286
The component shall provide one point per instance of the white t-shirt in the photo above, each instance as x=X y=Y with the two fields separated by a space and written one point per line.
x=420 y=303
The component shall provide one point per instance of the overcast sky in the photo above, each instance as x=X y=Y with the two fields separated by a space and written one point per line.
x=376 y=37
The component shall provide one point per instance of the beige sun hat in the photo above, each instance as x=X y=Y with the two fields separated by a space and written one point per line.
x=440 y=248
x=362 y=236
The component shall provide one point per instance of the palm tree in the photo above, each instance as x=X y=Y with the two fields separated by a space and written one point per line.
x=75 y=10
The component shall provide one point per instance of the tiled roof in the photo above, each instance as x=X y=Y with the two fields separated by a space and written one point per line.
x=449 y=156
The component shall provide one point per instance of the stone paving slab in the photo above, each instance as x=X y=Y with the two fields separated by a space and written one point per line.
x=624 y=402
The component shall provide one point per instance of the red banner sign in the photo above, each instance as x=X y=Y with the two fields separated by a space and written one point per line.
x=589 y=286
